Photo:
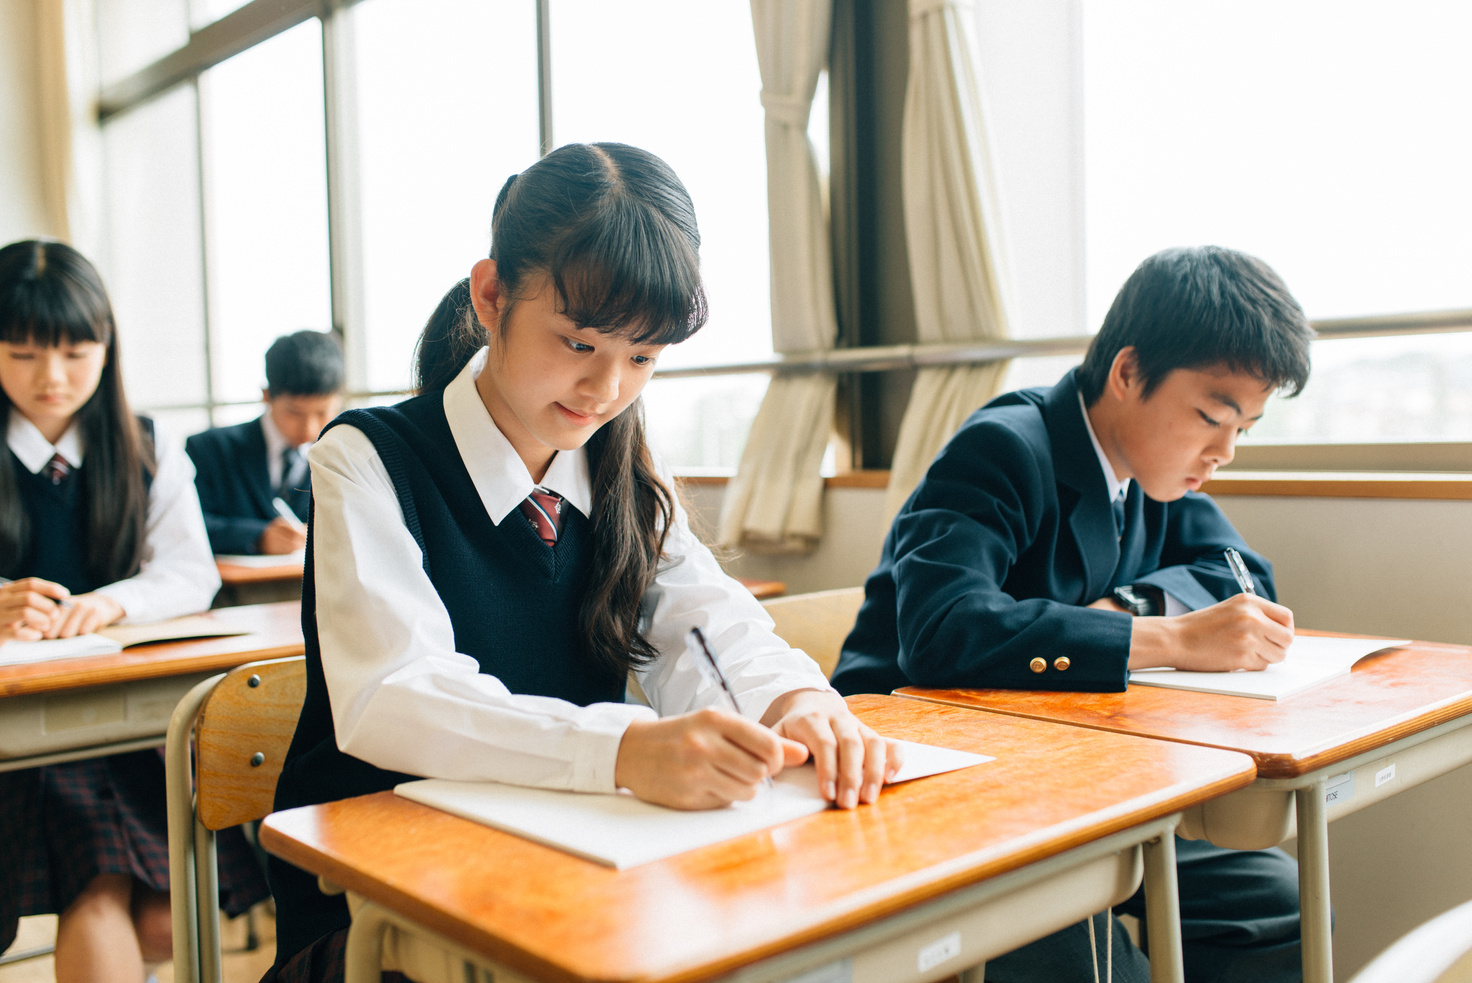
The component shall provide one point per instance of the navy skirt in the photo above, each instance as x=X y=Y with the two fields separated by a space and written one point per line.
x=63 y=825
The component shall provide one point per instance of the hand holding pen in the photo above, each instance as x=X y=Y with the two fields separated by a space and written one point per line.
x=29 y=606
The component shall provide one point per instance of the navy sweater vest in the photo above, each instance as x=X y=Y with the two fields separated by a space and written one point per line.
x=512 y=602
x=57 y=548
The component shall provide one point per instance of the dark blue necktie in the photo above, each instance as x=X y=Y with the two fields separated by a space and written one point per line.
x=1118 y=505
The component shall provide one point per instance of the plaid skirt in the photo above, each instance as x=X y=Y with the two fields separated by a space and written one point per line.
x=63 y=825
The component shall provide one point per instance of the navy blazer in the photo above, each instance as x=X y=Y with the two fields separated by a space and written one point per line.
x=990 y=562
x=234 y=484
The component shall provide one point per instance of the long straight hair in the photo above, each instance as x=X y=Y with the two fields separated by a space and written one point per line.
x=613 y=230
x=49 y=296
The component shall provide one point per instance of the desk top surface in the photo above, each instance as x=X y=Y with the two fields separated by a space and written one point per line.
x=1387 y=696
x=232 y=574
x=275 y=633
x=556 y=917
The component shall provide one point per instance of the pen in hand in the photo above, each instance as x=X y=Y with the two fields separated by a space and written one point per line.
x=284 y=510
x=64 y=602
x=1239 y=570
x=712 y=669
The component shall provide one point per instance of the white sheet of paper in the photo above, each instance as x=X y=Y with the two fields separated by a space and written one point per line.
x=1311 y=660
x=263 y=560
x=622 y=831
x=23 y=653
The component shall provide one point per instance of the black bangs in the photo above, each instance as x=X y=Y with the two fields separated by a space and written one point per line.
x=630 y=271
x=49 y=298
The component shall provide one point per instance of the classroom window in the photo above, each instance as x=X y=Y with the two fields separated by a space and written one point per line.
x=1328 y=138
x=440 y=128
x=265 y=204
x=153 y=261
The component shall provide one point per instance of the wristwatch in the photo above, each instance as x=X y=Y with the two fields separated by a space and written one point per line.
x=1141 y=600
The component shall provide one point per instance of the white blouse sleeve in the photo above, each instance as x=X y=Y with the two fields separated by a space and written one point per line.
x=402 y=697
x=691 y=590
x=178 y=574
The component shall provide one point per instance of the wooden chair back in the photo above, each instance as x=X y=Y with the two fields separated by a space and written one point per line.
x=818 y=622
x=241 y=736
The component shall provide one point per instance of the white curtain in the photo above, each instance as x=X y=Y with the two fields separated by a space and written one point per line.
x=953 y=229
x=67 y=107
x=774 y=504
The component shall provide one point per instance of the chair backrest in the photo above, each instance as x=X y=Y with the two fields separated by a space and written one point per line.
x=1439 y=951
x=241 y=736
x=817 y=623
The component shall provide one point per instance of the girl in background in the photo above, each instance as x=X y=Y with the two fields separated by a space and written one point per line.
x=490 y=560
x=98 y=522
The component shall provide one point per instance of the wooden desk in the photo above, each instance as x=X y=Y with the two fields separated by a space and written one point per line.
x=939 y=875
x=1399 y=719
x=764 y=590
x=106 y=704
x=258 y=585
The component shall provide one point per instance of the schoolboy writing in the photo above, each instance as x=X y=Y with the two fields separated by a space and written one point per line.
x=489 y=560
x=241 y=471
x=1060 y=540
x=98 y=523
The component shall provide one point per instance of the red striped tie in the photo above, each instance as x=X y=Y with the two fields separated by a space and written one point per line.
x=56 y=469
x=544 y=511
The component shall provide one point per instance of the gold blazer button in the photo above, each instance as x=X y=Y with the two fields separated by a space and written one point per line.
x=1061 y=663
x=1038 y=665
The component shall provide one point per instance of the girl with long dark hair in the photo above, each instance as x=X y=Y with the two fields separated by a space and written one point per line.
x=98 y=522
x=490 y=560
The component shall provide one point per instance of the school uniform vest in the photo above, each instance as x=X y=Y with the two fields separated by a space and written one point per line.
x=512 y=602
x=57 y=547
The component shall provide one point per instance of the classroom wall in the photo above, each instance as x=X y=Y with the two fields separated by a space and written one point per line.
x=21 y=214
x=1379 y=566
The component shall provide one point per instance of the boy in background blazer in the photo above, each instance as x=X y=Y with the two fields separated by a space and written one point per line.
x=1060 y=540
x=240 y=470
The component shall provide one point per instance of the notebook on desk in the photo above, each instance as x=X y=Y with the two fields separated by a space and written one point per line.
x=115 y=638
x=1311 y=659
x=622 y=831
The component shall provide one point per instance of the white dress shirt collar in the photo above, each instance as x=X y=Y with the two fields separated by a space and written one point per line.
x=1117 y=488
x=497 y=471
x=35 y=450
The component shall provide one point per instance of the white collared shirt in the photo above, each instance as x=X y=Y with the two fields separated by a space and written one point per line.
x=1118 y=489
x=179 y=574
x=404 y=699
x=275 y=445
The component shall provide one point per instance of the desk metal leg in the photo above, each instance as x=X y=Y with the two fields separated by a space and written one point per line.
x=1163 y=910
x=1313 y=884
x=364 y=960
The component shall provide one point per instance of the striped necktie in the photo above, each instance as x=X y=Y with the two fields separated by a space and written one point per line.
x=544 y=511
x=291 y=460
x=56 y=469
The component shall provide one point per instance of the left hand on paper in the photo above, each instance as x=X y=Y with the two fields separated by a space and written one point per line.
x=852 y=760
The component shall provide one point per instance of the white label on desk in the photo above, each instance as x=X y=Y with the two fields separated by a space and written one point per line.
x=946 y=947
x=1339 y=788
x=1386 y=774
x=841 y=971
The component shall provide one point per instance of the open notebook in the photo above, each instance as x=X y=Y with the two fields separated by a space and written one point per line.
x=115 y=639
x=1311 y=660
x=622 y=831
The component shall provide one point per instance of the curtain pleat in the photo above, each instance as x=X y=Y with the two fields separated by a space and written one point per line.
x=66 y=88
x=953 y=229
x=774 y=504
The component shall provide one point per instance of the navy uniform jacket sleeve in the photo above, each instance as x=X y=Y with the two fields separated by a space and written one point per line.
x=228 y=516
x=1193 y=568
x=987 y=503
